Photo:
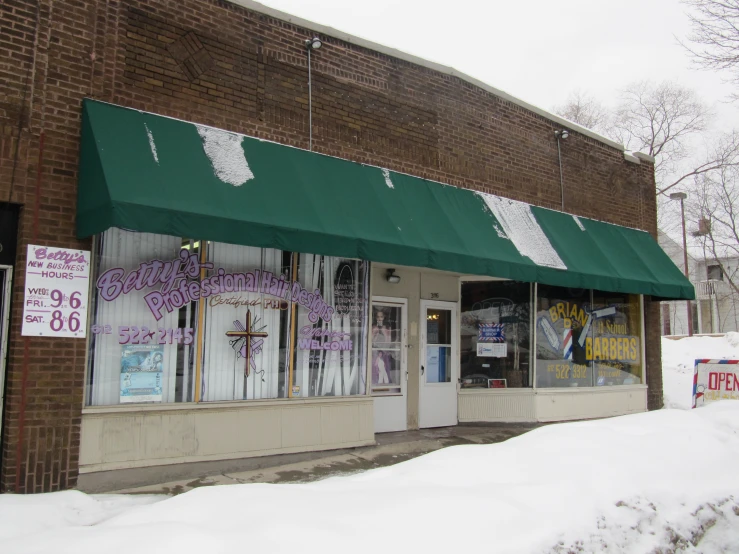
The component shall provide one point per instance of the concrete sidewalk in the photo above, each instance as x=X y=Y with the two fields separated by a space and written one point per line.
x=390 y=449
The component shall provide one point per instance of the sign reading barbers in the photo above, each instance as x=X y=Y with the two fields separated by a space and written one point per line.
x=56 y=292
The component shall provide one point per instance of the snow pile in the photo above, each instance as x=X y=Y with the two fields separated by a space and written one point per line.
x=663 y=481
x=678 y=364
x=520 y=225
x=28 y=515
x=226 y=154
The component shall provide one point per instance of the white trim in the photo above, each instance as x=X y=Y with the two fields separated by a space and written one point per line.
x=399 y=54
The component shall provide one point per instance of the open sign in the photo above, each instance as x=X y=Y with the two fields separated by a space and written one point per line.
x=715 y=380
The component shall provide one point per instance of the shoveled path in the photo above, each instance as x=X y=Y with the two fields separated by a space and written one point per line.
x=390 y=449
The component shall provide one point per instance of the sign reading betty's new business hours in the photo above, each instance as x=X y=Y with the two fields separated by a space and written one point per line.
x=55 y=303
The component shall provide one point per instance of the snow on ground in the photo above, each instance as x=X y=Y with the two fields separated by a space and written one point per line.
x=659 y=482
x=678 y=364
x=652 y=482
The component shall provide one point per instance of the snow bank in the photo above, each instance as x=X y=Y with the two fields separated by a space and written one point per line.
x=660 y=480
x=678 y=364
x=26 y=515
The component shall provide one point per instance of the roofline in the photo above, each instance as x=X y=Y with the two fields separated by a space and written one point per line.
x=364 y=43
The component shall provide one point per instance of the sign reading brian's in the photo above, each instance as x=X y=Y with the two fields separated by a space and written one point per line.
x=715 y=380
x=55 y=299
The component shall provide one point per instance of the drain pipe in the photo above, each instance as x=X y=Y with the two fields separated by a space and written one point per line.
x=561 y=134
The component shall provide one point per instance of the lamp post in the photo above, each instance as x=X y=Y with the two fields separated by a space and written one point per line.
x=682 y=196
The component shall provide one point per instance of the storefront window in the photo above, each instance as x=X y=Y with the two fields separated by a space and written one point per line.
x=495 y=334
x=587 y=338
x=183 y=320
x=331 y=353
x=563 y=323
x=235 y=315
x=142 y=347
x=617 y=341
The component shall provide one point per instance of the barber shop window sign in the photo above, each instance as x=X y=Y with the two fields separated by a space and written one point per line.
x=491 y=340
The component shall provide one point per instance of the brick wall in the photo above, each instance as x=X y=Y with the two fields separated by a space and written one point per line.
x=213 y=62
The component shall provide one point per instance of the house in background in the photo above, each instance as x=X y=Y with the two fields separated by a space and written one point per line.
x=715 y=307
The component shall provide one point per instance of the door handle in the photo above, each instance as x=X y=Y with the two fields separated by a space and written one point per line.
x=422 y=370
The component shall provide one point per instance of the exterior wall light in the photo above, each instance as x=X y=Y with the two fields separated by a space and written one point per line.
x=391 y=277
x=562 y=134
x=313 y=43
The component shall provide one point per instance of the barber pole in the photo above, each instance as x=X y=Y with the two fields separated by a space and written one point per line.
x=567 y=342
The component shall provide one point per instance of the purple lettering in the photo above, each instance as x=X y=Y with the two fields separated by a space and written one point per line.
x=109 y=283
x=155 y=301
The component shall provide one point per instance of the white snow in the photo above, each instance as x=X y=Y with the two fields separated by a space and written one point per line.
x=226 y=154
x=678 y=364
x=644 y=483
x=521 y=227
x=152 y=145
x=386 y=175
x=579 y=223
x=657 y=482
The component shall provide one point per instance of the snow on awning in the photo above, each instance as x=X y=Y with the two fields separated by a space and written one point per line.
x=156 y=174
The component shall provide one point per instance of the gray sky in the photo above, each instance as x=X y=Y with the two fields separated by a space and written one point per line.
x=537 y=50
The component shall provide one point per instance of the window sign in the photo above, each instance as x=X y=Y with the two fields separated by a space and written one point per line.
x=587 y=338
x=564 y=320
x=182 y=320
x=56 y=292
x=331 y=353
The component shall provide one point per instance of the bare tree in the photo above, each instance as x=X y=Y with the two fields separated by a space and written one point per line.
x=660 y=120
x=585 y=110
x=715 y=37
x=715 y=210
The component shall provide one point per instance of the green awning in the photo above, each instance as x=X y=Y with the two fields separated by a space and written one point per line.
x=155 y=174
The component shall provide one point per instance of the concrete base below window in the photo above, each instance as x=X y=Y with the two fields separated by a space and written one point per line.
x=528 y=405
x=118 y=437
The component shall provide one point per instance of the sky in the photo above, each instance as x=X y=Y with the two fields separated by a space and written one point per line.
x=539 y=50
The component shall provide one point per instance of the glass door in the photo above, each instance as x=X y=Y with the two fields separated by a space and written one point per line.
x=439 y=364
x=388 y=366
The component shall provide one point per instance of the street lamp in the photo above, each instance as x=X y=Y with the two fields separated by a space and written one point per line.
x=682 y=196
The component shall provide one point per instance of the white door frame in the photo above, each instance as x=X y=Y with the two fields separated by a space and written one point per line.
x=446 y=414
x=391 y=411
x=5 y=318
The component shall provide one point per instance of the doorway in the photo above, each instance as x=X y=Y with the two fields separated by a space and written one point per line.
x=439 y=364
x=6 y=277
x=389 y=363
